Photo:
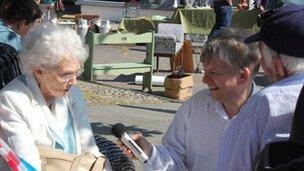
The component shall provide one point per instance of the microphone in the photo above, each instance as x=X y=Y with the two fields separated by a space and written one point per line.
x=118 y=130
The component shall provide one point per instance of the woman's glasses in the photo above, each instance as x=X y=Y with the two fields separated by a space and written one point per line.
x=66 y=77
x=69 y=77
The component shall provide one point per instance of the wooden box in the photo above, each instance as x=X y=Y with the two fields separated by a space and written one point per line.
x=178 y=88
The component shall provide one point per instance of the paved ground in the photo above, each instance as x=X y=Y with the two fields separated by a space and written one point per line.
x=112 y=54
x=150 y=119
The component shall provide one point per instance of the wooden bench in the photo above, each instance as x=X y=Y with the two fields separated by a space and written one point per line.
x=145 y=66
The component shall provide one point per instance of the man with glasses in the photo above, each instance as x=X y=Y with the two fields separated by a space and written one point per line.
x=267 y=116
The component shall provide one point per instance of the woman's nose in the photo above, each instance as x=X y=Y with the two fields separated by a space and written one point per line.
x=72 y=81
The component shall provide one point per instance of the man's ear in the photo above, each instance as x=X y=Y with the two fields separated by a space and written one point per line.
x=279 y=68
x=244 y=75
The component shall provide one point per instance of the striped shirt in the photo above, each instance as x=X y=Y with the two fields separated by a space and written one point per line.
x=265 y=118
x=193 y=139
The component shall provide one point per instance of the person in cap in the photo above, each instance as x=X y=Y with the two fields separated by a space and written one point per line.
x=267 y=116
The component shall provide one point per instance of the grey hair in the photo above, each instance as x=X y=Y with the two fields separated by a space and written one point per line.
x=291 y=64
x=229 y=48
x=48 y=44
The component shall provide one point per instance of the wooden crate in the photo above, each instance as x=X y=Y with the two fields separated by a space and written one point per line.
x=178 y=88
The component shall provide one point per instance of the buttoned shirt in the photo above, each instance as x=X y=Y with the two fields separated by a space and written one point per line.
x=193 y=139
x=265 y=118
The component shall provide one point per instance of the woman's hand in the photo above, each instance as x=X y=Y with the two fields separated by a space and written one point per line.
x=141 y=141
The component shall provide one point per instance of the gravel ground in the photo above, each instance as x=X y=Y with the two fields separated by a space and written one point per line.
x=105 y=95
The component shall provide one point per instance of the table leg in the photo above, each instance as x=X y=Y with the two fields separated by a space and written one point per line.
x=188 y=59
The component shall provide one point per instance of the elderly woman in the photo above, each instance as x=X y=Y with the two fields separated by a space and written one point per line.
x=43 y=107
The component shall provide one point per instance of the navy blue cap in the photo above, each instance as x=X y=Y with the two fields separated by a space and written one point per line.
x=282 y=30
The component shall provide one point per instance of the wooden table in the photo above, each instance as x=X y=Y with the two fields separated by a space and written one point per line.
x=194 y=21
x=201 y=20
x=139 y=25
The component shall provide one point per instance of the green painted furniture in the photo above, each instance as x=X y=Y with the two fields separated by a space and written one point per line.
x=145 y=66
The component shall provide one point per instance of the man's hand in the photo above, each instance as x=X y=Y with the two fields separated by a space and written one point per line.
x=141 y=141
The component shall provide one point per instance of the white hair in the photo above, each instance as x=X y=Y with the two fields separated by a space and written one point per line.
x=292 y=64
x=48 y=44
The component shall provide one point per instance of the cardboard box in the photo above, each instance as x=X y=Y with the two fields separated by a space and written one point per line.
x=178 y=88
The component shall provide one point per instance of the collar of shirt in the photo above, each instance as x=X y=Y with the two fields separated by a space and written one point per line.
x=253 y=91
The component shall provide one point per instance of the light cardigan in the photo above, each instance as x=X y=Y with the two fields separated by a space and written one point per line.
x=26 y=121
